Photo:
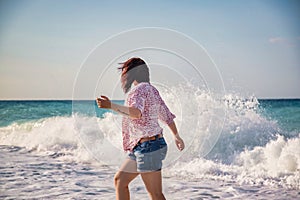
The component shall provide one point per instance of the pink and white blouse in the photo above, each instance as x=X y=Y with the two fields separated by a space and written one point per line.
x=146 y=98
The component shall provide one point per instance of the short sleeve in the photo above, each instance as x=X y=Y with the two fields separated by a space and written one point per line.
x=137 y=100
x=164 y=114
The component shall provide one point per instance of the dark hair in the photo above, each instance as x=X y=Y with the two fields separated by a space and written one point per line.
x=133 y=69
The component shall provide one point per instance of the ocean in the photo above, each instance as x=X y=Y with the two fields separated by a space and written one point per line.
x=237 y=147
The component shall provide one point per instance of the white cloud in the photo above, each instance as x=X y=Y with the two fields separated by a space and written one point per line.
x=285 y=41
x=277 y=40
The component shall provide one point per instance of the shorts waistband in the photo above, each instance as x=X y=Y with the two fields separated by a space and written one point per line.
x=145 y=139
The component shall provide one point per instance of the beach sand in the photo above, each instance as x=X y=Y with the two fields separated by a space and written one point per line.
x=25 y=175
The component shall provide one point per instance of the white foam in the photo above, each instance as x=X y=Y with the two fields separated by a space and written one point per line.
x=51 y=136
x=279 y=159
x=276 y=164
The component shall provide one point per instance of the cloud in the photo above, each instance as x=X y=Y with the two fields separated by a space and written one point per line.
x=285 y=41
x=278 y=40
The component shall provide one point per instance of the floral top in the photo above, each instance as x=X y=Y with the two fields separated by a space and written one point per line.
x=146 y=98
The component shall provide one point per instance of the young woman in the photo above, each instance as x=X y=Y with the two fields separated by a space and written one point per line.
x=142 y=135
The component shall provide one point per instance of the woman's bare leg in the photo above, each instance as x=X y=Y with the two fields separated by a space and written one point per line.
x=123 y=177
x=153 y=183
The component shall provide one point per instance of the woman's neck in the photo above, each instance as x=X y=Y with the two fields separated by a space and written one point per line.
x=135 y=82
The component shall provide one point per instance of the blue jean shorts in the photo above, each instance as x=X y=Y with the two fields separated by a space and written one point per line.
x=149 y=155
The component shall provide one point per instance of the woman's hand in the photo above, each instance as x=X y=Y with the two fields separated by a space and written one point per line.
x=103 y=102
x=179 y=142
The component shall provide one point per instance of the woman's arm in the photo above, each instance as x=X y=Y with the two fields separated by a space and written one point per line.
x=178 y=141
x=132 y=112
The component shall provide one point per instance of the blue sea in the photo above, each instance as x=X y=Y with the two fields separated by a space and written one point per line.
x=236 y=148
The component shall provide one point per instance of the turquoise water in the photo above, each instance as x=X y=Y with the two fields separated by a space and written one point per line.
x=25 y=111
x=285 y=111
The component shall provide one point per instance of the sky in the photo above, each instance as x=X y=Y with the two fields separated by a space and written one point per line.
x=255 y=44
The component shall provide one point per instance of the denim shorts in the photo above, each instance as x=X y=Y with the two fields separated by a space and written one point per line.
x=149 y=155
